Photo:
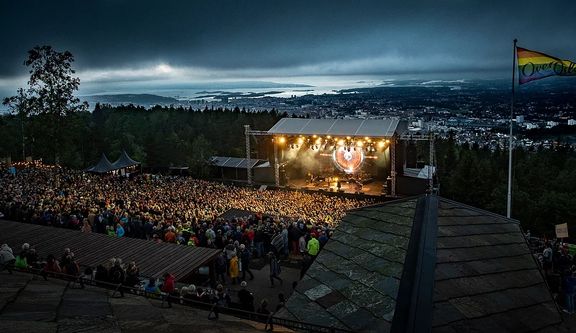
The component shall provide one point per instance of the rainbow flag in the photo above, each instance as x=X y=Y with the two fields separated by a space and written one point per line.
x=535 y=65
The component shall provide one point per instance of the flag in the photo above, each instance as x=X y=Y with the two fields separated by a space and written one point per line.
x=535 y=65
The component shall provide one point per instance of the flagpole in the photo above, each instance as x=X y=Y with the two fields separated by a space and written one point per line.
x=511 y=142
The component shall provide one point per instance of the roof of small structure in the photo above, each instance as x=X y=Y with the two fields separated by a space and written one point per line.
x=92 y=249
x=425 y=264
x=235 y=162
x=486 y=278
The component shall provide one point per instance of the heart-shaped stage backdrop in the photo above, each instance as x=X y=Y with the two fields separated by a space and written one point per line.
x=348 y=160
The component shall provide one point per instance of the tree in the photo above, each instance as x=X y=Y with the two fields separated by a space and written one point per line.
x=50 y=92
x=20 y=105
x=201 y=151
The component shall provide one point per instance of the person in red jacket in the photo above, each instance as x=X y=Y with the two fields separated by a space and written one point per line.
x=168 y=287
x=170 y=236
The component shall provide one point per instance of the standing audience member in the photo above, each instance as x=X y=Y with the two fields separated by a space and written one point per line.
x=119 y=230
x=170 y=235
x=313 y=247
x=548 y=258
x=33 y=260
x=52 y=266
x=570 y=290
x=221 y=268
x=151 y=288
x=21 y=259
x=117 y=275
x=168 y=288
x=65 y=257
x=234 y=269
x=73 y=269
x=220 y=299
x=246 y=298
x=7 y=258
x=132 y=275
x=263 y=308
x=245 y=257
x=86 y=226
x=302 y=245
x=275 y=269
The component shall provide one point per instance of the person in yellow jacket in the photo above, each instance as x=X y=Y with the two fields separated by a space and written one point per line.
x=234 y=269
x=313 y=247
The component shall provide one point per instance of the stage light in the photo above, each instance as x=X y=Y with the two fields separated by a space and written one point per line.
x=314 y=136
x=360 y=143
x=381 y=144
x=367 y=138
x=348 y=138
x=387 y=141
x=340 y=142
x=300 y=141
x=328 y=137
x=282 y=140
x=318 y=141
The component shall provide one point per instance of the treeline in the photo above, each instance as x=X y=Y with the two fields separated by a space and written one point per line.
x=159 y=136
x=544 y=180
x=544 y=183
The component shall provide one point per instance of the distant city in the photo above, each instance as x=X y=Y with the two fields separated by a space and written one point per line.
x=475 y=112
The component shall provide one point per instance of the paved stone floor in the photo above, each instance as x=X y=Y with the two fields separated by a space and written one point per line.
x=261 y=288
x=35 y=305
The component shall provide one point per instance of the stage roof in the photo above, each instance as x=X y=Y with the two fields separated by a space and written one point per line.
x=339 y=127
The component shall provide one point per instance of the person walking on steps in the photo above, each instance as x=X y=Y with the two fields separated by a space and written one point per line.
x=275 y=269
x=245 y=257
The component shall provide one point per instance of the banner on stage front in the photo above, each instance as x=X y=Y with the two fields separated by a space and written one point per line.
x=534 y=65
x=562 y=230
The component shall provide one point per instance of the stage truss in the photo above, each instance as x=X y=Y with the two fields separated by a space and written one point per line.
x=391 y=141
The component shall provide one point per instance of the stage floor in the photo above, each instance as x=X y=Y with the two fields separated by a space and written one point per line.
x=373 y=188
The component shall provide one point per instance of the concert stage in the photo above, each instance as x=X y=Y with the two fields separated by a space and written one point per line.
x=374 y=188
x=334 y=155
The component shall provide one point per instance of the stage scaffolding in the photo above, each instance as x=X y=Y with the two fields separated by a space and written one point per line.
x=394 y=140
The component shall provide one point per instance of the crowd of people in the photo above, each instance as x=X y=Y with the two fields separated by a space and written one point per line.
x=179 y=210
x=27 y=259
x=559 y=265
x=115 y=274
x=172 y=209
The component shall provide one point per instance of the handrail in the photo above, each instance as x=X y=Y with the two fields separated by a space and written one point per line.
x=268 y=319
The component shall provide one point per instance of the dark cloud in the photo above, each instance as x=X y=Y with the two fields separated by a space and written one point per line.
x=311 y=37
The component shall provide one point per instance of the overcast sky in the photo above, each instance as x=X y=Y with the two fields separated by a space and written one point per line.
x=147 y=43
